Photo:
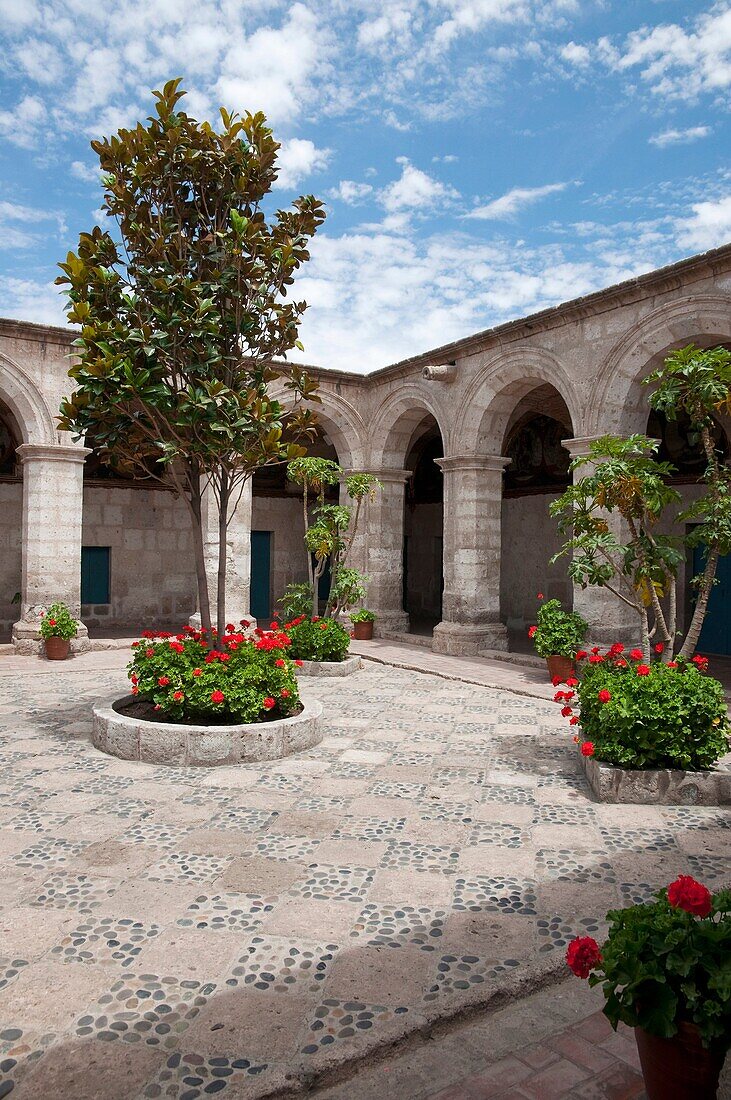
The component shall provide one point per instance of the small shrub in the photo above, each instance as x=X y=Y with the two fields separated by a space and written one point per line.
x=296 y=601
x=243 y=679
x=315 y=639
x=58 y=622
x=557 y=633
x=655 y=715
x=363 y=615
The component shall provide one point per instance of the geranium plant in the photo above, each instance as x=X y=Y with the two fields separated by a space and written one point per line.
x=639 y=714
x=240 y=678
x=316 y=639
x=665 y=962
x=558 y=632
x=58 y=622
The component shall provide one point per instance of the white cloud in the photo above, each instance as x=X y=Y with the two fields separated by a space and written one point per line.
x=709 y=226
x=351 y=192
x=89 y=173
x=448 y=158
x=22 y=125
x=576 y=54
x=28 y=300
x=297 y=159
x=679 y=137
x=31 y=219
x=415 y=190
x=512 y=202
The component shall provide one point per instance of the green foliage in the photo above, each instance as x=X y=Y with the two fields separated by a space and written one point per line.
x=363 y=615
x=362 y=486
x=662 y=965
x=315 y=639
x=348 y=587
x=255 y=677
x=324 y=535
x=672 y=717
x=58 y=622
x=296 y=601
x=558 y=632
x=314 y=473
x=181 y=318
x=693 y=380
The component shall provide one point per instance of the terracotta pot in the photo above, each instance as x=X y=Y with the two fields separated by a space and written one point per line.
x=57 y=649
x=363 y=632
x=680 y=1068
x=563 y=667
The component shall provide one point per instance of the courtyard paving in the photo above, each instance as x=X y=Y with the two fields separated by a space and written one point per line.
x=170 y=932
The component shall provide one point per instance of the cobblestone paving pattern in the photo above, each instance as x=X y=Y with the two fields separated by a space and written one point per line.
x=194 y=932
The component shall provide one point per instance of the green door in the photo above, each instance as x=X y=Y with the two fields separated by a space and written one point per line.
x=261 y=574
x=716 y=632
x=95 y=574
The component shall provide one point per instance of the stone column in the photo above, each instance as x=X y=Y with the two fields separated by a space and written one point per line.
x=473 y=491
x=385 y=558
x=610 y=620
x=53 y=495
x=238 y=557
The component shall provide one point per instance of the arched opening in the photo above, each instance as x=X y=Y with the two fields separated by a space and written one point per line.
x=423 y=578
x=278 y=555
x=537 y=474
x=11 y=526
x=680 y=445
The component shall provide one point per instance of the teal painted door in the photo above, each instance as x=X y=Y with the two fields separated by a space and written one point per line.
x=261 y=574
x=95 y=574
x=716 y=633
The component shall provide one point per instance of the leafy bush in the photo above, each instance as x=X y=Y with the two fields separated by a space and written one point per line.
x=58 y=622
x=665 y=962
x=315 y=639
x=296 y=601
x=243 y=679
x=363 y=615
x=653 y=715
x=558 y=633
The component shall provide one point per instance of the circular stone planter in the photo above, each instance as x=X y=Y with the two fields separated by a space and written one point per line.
x=175 y=743
x=331 y=668
x=659 y=787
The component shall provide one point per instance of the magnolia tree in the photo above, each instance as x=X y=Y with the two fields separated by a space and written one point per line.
x=330 y=530
x=625 y=478
x=182 y=314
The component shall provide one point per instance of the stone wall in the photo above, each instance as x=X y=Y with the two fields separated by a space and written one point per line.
x=529 y=540
x=151 y=556
x=11 y=509
x=283 y=517
x=423 y=529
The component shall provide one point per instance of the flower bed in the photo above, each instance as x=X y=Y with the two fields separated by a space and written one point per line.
x=240 y=679
x=315 y=639
x=650 y=731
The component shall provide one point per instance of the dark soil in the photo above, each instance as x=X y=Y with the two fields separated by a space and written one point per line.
x=143 y=711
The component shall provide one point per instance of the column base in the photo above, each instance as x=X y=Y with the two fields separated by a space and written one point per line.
x=28 y=641
x=390 y=622
x=467 y=639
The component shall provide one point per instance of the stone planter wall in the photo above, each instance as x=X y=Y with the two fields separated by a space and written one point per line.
x=330 y=668
x=174 y=743
x=662 y=787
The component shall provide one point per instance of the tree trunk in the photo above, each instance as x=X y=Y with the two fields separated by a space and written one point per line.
x=699 y=612
x=196 y=510
x=644 y=634
x=222 y=553
x=307 y=525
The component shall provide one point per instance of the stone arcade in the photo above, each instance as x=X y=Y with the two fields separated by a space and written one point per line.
x=471 y=442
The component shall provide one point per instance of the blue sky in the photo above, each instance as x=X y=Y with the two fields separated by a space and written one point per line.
x=480 y=159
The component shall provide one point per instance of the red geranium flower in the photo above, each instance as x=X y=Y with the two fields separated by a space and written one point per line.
x=559 y=696
x=580 y=654
x=135 y=691
x=284 y=694
x=298 y=663
x=583 y=955
x=51 y=622
x=178 y=696
x=636 y=654
x=572 y=682
x=587 y=749
x=532 y=631
x=568 y=695
x=566 y=711
x=685 y=893
x=539 y=596
x=149 y=653
x=269 y=703
x=596 y=659
x=163 y=681
x=595 y=649
x=217 y=696
x=280 y=663
x=659 y=647
x=672 y=664
x=574 y=722
x=575 y=738
x=616 y=649
x=643 y=670
x=556 y=680
x=197 y=671
x=604 y=696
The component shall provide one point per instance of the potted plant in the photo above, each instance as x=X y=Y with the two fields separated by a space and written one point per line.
x=363 y=621
x=557 y=636
x=665 y=972
x=58 y=627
